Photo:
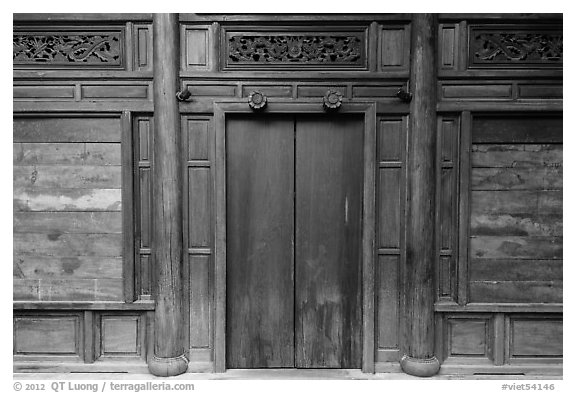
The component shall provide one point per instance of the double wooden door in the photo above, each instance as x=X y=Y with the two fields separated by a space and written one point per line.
x=294 y=234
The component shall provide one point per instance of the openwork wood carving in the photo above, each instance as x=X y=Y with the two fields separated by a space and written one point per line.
x=490 y=47
x=296 y=49
x=67 y=49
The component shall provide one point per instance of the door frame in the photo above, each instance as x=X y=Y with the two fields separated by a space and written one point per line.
x=224 y=108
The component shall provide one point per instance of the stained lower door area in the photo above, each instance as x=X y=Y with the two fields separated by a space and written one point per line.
x=294 y=218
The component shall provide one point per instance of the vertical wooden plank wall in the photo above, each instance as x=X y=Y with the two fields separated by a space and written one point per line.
x=391 y=139
x=198 y=146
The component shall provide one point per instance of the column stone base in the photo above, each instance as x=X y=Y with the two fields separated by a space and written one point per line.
x=168 y=367
x=420 y=367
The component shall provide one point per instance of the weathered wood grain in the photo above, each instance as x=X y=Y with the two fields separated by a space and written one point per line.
x=418 y=286
x=510 y=129
x=198 y=139
x=535 y=338
x=515 y=269
x=67 y=222
x=467 y=337
x=64 y=176
x=64 y=244
x=38 y=267
x=119 y=336
x=516 y=291
x=389 y=207
x=199 y=207
x=54 y=335
x=67 y=200
x=521 y=247
x=516 y=156
x=547 y=178
x=260 y=238
x=25 y=289
x=329 y=182
x=66 y=153
x=391 y=140
x=63 y=129
x=109 y=289
x=200 y=301
x=521 y=224
x=388 y=301
x=167 y=232
x=516 y=202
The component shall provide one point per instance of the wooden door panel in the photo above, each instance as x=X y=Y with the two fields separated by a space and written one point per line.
x=260 y=237
x=329 y=179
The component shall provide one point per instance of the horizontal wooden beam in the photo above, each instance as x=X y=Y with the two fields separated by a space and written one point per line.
x=105 y=306
x=499 y=307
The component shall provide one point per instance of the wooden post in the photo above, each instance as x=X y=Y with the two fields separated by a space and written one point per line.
x=418 y=286
x=167 y=239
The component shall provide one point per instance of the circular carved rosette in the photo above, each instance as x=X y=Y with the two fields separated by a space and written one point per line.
x=257 y=100
x=332 y=100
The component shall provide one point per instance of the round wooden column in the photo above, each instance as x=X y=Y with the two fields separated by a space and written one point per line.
x=419 y=291
x=167 y=239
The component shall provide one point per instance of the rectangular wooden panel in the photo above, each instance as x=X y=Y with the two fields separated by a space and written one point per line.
x=198 y=137
x=103 y=92
x=448 y=208
x=212 y=90
x=143 y=47
x=47 y=335
x=447 y=45
x=329 y=183
x=392 y=46
x=535 y=337
x=119 y=336
x=63 y=129
x=318 y=91
x=199 y=208
x=476 y=91
x=388 y=301
x=268 y=90
x=540 y=91
x=389 y=207
x=66 y=153
x=509 y=129
x=467 y=337
x=43 y=91
x=144 y=137
x=390 y=140
x=200 y=301
x=376 y=91
x=449 y=139
x=260 y=238
x=196 y=47
x=446 y=275
x=145 y=208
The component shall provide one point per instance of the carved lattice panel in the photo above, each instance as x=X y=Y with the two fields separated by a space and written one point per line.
x=295 y=49
x=503 y=46
x=69 y=48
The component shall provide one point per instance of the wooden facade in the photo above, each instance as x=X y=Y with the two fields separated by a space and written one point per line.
x=201 y=192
